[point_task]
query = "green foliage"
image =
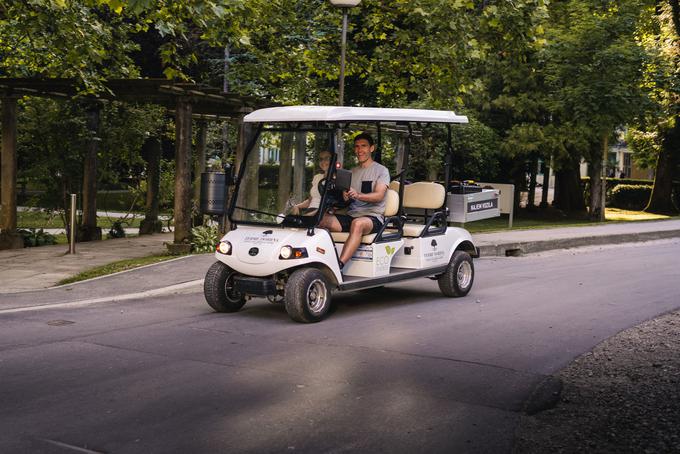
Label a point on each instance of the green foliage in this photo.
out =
(59, 38)
(204, 238)
(630, 197)
(39, 237)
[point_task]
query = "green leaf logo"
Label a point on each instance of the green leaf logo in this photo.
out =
(389, 249)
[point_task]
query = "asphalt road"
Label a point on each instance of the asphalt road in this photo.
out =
(400, 369)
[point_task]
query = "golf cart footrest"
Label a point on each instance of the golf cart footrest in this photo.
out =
(255, 285)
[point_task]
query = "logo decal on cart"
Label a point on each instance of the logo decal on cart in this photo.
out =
(389, 249)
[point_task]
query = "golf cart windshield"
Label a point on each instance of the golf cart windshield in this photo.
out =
(279, 174)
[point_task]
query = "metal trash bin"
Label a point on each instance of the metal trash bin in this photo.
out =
(213, 192)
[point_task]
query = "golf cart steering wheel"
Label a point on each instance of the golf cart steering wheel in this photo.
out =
(333, 196)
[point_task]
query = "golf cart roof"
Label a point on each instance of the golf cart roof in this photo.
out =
(330, 114)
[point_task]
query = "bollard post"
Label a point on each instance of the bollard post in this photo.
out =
(72, 239)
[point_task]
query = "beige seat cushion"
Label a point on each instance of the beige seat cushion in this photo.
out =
(341, 237)
(413, 229)
(424, 194)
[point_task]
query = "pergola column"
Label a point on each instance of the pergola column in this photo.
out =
(201, 139)
(89, 231)
(9, 238)
(183, 173)
(151, 152)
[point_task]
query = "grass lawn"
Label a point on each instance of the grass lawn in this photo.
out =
(116, 267)
(46, 220)
(524, 220)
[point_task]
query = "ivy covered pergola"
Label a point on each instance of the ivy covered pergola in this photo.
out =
(184, 101)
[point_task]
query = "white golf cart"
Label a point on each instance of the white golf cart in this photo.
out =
(287, 258)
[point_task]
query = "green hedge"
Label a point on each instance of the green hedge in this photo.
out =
(630, 196)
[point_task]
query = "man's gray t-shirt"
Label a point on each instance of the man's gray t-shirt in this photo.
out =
(364, 180)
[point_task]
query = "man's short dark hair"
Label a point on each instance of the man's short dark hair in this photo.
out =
(365, 136)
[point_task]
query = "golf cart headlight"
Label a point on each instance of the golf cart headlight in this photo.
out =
(224, 247)
(286, 252)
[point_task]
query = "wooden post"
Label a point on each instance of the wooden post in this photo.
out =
(182, 175)
(89, 231)
(9, 239)
(151, 152)
(199, 168)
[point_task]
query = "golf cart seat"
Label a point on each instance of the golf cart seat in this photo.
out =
(390, 230)
(426, 201)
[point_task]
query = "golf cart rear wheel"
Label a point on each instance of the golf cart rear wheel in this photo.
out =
(307, 296)
(218, 289)
(459, 275)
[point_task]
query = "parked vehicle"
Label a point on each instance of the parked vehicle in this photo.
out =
(288, 258)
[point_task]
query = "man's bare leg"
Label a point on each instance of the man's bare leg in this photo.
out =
(359, 227)
(331, 223)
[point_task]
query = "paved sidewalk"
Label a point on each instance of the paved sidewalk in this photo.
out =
(34, 269)
(44, 266)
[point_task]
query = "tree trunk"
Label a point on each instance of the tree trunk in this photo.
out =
(285, 171)
(151, 152)
(546, 184)
(596, 170)
(182, 205)
(661, 199)
(533, 169)
(88, 231)
(568, 191)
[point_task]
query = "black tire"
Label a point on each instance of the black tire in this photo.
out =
(459, 275)
(218, 289)
(307, 296)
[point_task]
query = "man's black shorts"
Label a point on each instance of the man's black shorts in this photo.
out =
(345, 221)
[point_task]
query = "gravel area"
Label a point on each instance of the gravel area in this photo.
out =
(623, 397)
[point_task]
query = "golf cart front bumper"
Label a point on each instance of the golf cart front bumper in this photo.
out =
(259, 286)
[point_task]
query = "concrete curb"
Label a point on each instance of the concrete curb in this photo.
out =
(184, 287)
(528, 247)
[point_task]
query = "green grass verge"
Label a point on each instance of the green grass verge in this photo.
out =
(116, 267)
(532, 221)
(47, 220)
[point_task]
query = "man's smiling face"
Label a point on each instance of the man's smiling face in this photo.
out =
(363, 150)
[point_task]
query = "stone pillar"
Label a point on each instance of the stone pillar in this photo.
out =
(182, 204)
(9, 238)
(89, 231)
(151, 152)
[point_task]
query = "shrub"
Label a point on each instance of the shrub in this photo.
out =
(33, 237)
(205, 238)
(117, 230)
(630, 197)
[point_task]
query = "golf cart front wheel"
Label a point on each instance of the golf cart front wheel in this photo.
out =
(459, 275)
(307, 296)
(218, 289)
